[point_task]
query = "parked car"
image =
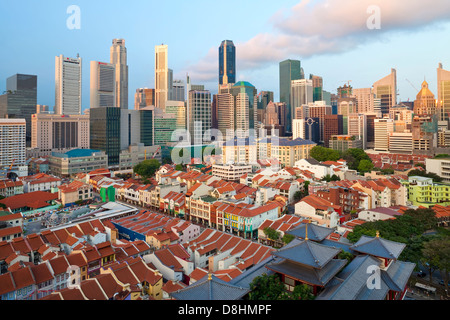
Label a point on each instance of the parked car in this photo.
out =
(442, 283)
(421, 274)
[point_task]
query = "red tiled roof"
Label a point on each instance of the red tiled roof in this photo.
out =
(41, 273)
(34, 200)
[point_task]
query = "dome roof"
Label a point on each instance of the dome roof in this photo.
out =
(243, 84)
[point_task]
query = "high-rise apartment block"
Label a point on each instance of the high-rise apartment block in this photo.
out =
(12, 142)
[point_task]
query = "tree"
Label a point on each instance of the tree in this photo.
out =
(329, 178)
(266, 287)
(272, 234)
(147, 168)
(288, 238)
(324, 154)
(442, 156)
(437, 253)
(300, 292)
(344, 255)
(354, 157)
(420, 173)
(365, 166)
(179, 167)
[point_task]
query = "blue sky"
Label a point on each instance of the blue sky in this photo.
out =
(413, 39)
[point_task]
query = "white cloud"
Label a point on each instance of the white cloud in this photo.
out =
(322, 27)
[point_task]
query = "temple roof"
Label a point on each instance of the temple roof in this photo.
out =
(351, 282)
(210, 289)
(315, 232)
(312, 276)
(308, 253)
(379, 247)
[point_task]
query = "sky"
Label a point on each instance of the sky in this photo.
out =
(344, 41)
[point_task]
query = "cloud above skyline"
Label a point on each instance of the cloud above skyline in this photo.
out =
(319, 27)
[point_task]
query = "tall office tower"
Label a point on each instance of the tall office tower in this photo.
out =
(12, 142)
(378, 108)
(317, 87)
(105, 132)
(245, 103)
(307, 129)
(289, 70)
(443, 83)
(20, 100)
(170, 85)
(364, 99)
(282, 110)
(161, 76)
(144, 98)
(357, 127)
(178, 92)
(178, 108)
(119, 59)
(52, 131)
(225, 115)
(301, 94)
(346, 106)
(383, 128)
(199, 115)
(371, 130)
(333, 124)
(103, 85)
(146, 125)
(302, 112)
(425, 103)
(130, 128)
(319, 110)
(386, 90)
(227, 62)
(271, 116)
(67, 85)
(264, 98)
(334, 103)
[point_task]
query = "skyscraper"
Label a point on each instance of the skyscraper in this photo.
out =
(289, 70)
(199, 115)
(178, 91)
(105, 133)
(302, 93)
(161, 76)
(317, 87)
(443, 78)
(386, 90)
(12, 142)
(245, 101)
(20, 100)
(264, 98)
(103, 85)
(119, 59)
(68, 85)
(227, 62)
(357, 127)
(425, 103)
(144, 98)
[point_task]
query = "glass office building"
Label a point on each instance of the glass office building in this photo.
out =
(227, 62)
(289, 70)
(20, 100)
(105, 132)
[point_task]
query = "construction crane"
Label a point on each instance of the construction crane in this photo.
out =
(154, 155)
(412, 85)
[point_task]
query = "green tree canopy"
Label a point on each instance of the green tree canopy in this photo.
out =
(420, 173)
(324, 154)
(147, 168)
(265, 288)
(437, 253)
(272, 234)
(365, 166)
(354, 157)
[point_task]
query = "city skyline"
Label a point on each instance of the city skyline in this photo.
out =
(361, 55)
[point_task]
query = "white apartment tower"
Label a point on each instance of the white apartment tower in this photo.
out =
(12, 142)
(67, 85)
(103, 85)
(119, 59)
(383, 128)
